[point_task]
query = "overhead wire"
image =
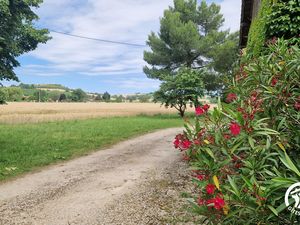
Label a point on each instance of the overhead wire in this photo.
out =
(97, 39)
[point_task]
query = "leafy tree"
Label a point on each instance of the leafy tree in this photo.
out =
(14, 94)
(106, 96)
(188, 33)
(17, 34)
(40, 96)
(62, 97)
(26, 86)
(78, 95)
(54, 95)
(225, 56)
(180, 90)
(131, 98)
(119, 98)
(144, 98)
(3, 96)
(224, 59)
(98, 98)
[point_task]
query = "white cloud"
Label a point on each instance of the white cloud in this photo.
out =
(119, 20)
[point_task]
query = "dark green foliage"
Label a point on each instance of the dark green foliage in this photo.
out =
(226, 55)
(17, 34)
(284, 20)
(62, 97)
(78, 95)
(3, 96)
(106, 96)
(187, 34)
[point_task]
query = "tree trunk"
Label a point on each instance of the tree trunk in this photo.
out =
(181, 112)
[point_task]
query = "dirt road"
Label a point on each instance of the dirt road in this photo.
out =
(79, 191)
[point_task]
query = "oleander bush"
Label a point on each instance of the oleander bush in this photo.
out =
(244, 153)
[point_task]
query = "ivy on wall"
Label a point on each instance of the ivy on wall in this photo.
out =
(258, 29)
(279, 18)
(284, 20)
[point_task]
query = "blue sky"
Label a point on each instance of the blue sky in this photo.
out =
(95, 66)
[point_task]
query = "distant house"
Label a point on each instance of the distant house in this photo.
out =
(249, 11)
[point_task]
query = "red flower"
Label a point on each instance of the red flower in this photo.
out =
(201, 177)
(274, 81)
(231, 97)
(199, 111)
(219, 203)
(206, 107)
(201, 201)
(227, 136)
(235, 128)
(176, 143)
(197, 142)
(238, 165)
(210, 189)
(297, 106)
(186, 144)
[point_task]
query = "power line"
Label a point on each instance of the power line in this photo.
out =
(97, 39)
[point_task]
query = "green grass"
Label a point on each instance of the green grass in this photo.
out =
(25, 147)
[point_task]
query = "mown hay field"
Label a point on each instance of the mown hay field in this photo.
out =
(31, 112)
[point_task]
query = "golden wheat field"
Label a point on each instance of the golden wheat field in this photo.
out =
(31, 112)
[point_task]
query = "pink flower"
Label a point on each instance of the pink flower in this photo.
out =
(210, 189)
(199, 111)
(235, 128)
(186, 144)
(231, 97)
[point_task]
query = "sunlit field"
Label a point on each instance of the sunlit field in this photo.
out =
(30, 112)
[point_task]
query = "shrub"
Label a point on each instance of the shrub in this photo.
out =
(244, 153)
(257, 32)
(3, 96)
(284, 20)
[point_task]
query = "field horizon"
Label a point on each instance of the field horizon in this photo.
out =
(35, 112)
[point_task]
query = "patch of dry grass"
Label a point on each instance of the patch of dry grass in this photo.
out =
(30, 112)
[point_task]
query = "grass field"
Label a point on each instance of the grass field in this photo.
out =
(24, 147)
(29, 112)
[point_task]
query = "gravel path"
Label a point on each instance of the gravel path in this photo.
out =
(134, 182)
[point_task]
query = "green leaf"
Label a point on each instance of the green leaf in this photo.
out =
(251, 142)
(273, 209)
(234, 187)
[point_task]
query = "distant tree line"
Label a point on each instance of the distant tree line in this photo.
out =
(59, 93)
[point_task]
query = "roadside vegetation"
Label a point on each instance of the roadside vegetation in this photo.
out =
(245, 153)
(29, 146)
